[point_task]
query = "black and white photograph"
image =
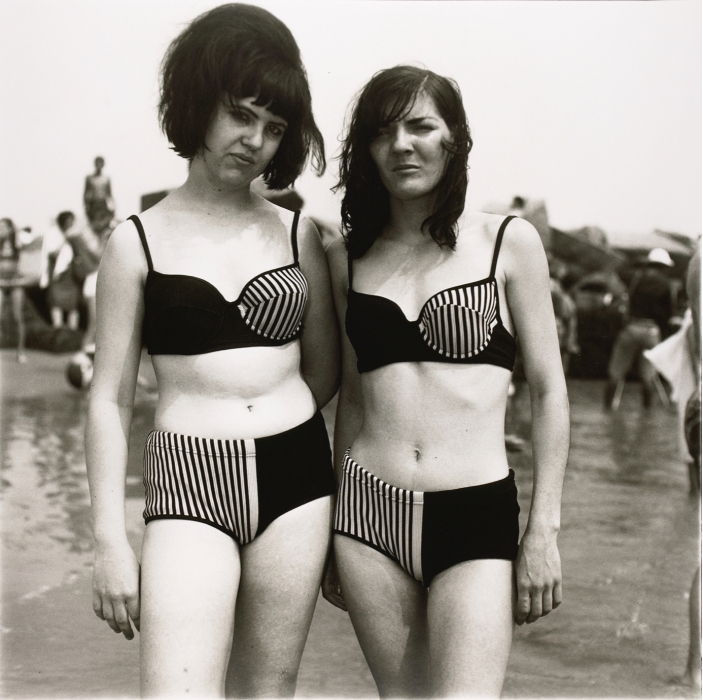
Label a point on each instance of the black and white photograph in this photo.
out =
(350, 348)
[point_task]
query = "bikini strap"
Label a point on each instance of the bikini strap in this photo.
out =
(140, 230)
(294, 235)
(499, 240)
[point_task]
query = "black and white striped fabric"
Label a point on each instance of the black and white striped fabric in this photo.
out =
(459, 322)
(211, 481)
(273, 303)
(382, 516)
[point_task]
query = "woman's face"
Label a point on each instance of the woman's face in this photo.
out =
(409, 153)
(241, 141)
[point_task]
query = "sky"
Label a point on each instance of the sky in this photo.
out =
(593, 107)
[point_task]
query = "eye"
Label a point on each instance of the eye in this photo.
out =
(276, 130)
(240, 116)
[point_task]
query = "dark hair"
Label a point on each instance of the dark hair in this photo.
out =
(237, 51)
(387, 97)
(63, 218)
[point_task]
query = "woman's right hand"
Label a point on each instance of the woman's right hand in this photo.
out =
(116, 587)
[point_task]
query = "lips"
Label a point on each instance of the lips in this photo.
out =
(243, 158)
(405, 167)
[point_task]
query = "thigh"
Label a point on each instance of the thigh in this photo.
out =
(18, 304)
(470, 621)
(388, 610)
(280, 581)
(623, 354)
(649, 338)
(189, 579)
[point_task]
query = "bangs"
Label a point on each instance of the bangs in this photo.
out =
(396, 107)
(389, 101)
(234, 52)
(279, 88)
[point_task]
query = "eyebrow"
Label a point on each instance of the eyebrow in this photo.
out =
(418, 120)
(243, 108)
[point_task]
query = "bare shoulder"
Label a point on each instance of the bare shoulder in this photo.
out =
(337, 258)
(270, 213)
(522, 252)
(337, 251)
(308, 235)
(124, 250)
(520, 232)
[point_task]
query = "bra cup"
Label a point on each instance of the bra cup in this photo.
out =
(458, 322)
(278, 318)
(269, 307)
(186, 327)
(456, 331)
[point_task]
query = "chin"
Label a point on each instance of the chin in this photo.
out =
(236, 179)
(409, 191)
(412, 193)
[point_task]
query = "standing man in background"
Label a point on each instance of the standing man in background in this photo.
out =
(97, 198)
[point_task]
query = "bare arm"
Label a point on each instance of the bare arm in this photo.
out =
(349, 408)
(350, 412)
(320, 339)
(529, 301)
(118, 345)
(693, 290)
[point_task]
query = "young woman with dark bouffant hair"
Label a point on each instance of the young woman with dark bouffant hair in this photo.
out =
(432, 296)
(230, 295)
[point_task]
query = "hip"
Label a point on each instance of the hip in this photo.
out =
(431, 531)
(238, 486)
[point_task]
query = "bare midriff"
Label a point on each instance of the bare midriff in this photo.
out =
(232, 394)
(431, 426)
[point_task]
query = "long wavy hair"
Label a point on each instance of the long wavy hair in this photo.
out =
(387, 97)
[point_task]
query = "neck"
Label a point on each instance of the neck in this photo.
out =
(201, 189)
(407, 217)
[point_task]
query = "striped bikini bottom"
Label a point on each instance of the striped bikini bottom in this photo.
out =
(431, 531)
(237, 486)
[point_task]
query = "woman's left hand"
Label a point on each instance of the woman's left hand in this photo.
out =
(538, 576)
(331, 587)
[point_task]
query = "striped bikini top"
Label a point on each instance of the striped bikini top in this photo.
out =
(186, 315)
(461, 325)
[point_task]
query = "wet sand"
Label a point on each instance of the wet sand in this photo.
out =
(629, 545)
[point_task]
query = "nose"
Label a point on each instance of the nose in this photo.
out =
(402, 142)
(254, 136)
